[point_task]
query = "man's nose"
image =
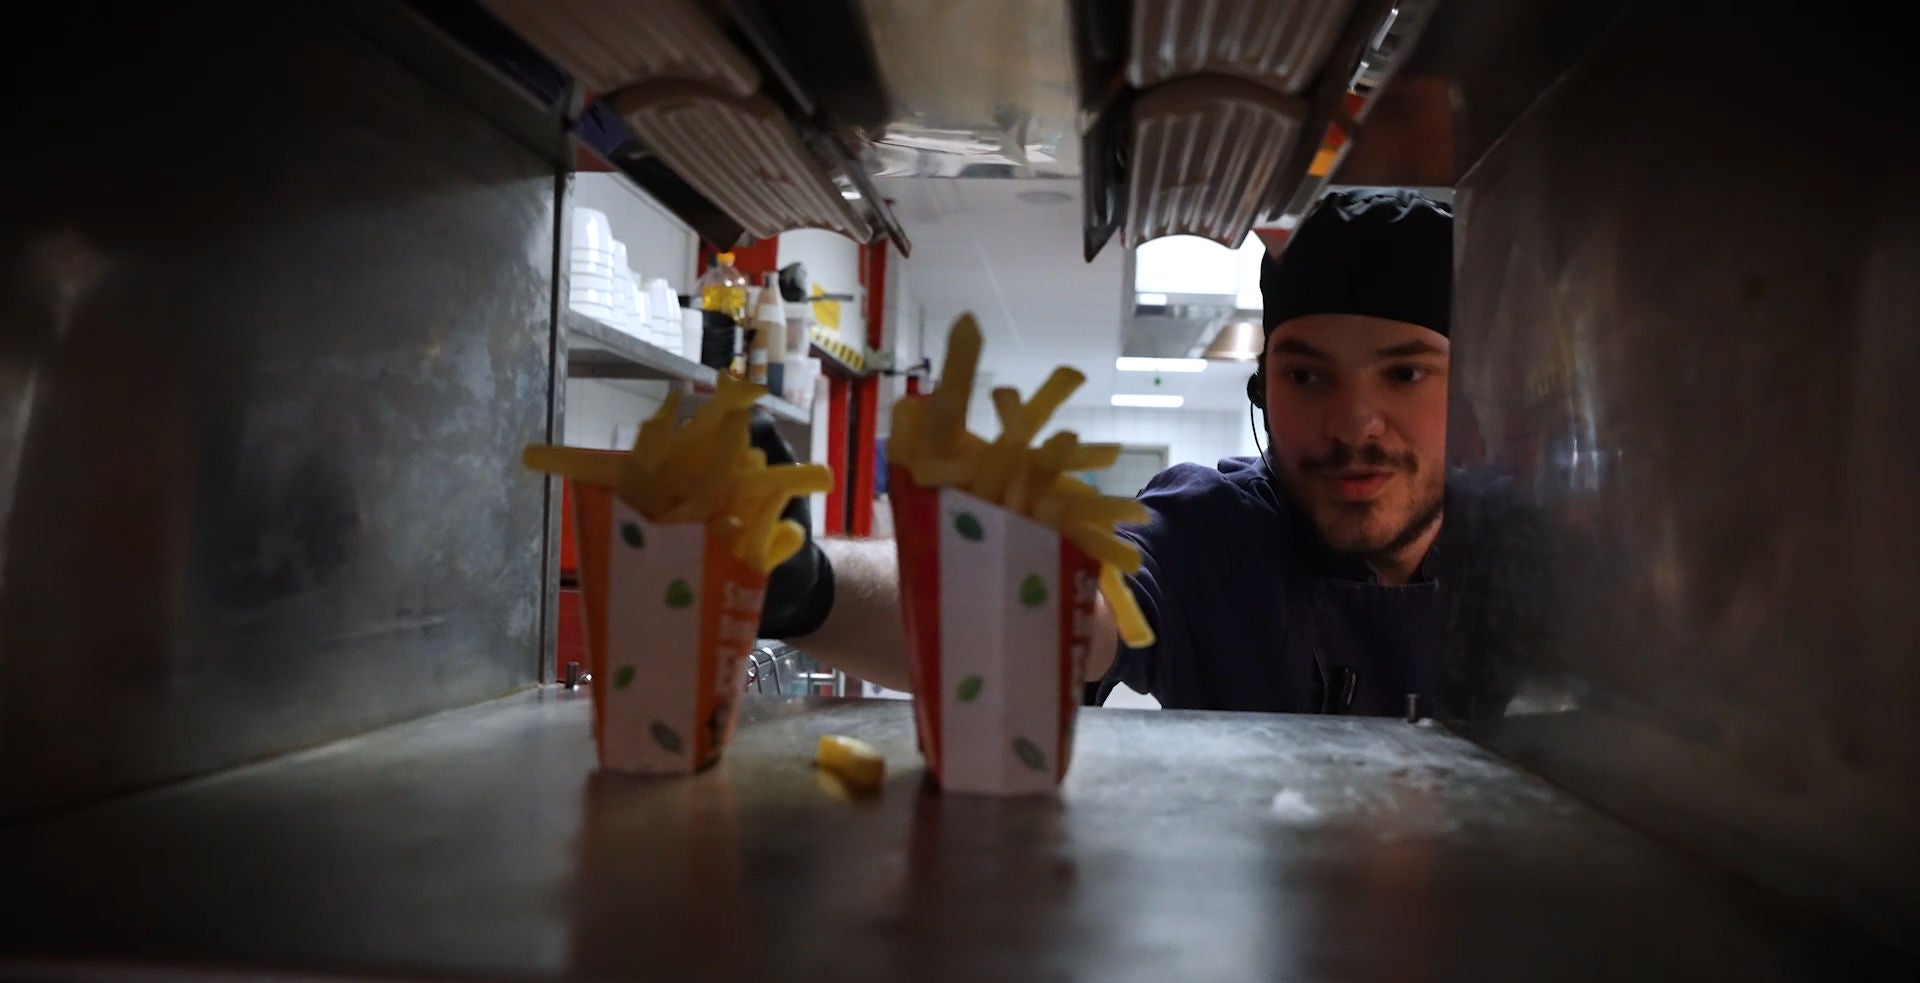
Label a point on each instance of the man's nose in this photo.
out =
(1353, 419)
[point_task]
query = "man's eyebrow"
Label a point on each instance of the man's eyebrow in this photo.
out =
(1410, 349)
(1293, 346)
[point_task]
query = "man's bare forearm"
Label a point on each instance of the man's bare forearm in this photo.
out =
(863, 635)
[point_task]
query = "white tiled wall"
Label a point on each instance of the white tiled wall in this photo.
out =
(903, 329)
(606, 413)
(657, 243)
(602, 412)
(832, 261)
(906, 318)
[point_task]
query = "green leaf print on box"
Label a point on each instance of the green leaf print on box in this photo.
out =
(968, 527)
(622, 677)
(630, 531)
(969, 689)
(1029, 754)
(679, 595)
(1033, 591)
(665, 737)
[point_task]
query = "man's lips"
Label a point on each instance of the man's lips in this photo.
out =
(1356, 484)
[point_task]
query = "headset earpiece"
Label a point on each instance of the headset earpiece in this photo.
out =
(1257, 389)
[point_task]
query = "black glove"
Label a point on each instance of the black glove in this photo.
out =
(799, 591)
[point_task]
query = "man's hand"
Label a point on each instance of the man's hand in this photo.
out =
(799, 591)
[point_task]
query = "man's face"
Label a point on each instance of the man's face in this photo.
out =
(1357, 407)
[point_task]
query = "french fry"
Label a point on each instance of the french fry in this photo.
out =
(594, 469)
(1006, 404)
(1105, 547)
(695, 439)
(854, 761)
(995, 470)
(1018, 495)
(1048, 461)
(1050, 510)
(793, 479)
(703, 470)
(1048, 398)
(1106, 510)
(1054, 503)
(1051, 458)
(933, 474)
(788, 536)
(760, 520)
(717, 467)
(946, 417)
(1092, 457)
(1126, 610)
(650, 445)
(930, 440)
(903, 444)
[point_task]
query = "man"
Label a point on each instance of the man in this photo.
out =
(1296, 581)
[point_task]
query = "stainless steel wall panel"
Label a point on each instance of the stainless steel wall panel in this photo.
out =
(1686, 333)
(277, 320)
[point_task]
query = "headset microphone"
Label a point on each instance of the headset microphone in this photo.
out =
(1257, 396)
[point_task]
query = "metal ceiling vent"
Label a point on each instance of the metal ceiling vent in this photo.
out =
(742, 154)
(1205, 151)
(1277, 43)
(712, 93)
(611, 45)
(1204, 117)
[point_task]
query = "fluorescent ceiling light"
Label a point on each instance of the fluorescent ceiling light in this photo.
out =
(1129, 363)
(1150, 402)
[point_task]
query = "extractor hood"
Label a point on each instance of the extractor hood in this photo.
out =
(746, 119)
(1257, 101)
(749, 117)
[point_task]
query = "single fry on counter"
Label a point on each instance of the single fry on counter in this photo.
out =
(856, 763)
(1002, 554)
(676, 539)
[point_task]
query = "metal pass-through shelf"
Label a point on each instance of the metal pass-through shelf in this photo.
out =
(596, 350)
(481, 844)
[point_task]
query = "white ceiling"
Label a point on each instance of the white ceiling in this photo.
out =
(1017, 266)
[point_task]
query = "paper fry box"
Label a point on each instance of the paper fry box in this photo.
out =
(671, 617)
(999, 614)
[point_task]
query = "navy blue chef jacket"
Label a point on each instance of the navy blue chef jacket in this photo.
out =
(1250, 612)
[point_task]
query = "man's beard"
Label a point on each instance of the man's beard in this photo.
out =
(1343, 537)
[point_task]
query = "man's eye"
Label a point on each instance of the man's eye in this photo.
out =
(1406, 374)
(1301, 377)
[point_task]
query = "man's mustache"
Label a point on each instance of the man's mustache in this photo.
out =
(1344, 456)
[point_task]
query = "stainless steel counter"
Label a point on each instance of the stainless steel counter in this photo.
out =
(479, 844)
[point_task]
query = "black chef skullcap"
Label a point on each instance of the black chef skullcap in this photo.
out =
(1380, 252)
